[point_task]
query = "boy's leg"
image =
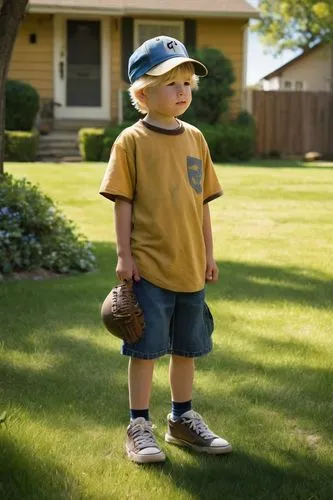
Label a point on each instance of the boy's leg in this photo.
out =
(141, 445)
(188, 428)
(181, 375)
(140, 377)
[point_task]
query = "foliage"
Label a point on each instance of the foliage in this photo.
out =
(21, 146)
(211, 100)
(35, 234)
(229, 142)
(22, 104)
(91, 143)
(130, 113)
(294, 25)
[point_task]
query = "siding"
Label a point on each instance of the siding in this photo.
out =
(228, 37)
(33, 63)
(115, 67)
(314, 70)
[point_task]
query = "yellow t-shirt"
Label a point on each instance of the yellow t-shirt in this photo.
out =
(167, 175)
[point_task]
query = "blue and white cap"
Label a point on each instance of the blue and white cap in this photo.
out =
(157, 56)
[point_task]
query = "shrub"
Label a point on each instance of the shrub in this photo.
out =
(35, 234)
(229, 142)
(111, 134)
(245, 119)
(129, 112)
(96, 144)
(91, 143)
(22, 104)
(211, 100)
(21, 146)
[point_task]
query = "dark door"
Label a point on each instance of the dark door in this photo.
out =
(83, 63)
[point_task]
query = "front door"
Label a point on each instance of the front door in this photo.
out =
(81, 68)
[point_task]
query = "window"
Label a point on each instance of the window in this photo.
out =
(287, 85)
(299, 86)
(143, 30)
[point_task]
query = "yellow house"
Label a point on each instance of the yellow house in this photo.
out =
(75, 52)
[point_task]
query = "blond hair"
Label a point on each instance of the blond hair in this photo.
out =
(185, 70)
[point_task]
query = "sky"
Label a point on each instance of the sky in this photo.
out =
(259, 63)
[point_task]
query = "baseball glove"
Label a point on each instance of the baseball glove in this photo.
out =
(121, 313)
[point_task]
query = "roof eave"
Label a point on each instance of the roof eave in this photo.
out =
(135, 12)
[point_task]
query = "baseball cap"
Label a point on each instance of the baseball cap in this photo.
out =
(159, 55)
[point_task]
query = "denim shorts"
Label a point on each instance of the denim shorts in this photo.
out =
(175, 323)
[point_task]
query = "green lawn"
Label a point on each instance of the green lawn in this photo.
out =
(267, 387)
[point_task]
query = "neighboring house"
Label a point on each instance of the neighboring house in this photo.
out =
(312, 71)
(75, 52)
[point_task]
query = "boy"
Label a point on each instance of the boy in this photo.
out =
(161, 178)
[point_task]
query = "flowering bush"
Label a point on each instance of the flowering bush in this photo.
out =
(35, 234)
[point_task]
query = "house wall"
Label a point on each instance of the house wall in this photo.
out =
(33, 63)
(314, 70)
(228, 36)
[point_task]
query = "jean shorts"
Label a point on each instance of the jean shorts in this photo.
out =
(175, 323)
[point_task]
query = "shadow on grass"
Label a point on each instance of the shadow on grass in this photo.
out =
(77, 374)
(281, 164)
(23, 475)
(242, 281)
(244, 477)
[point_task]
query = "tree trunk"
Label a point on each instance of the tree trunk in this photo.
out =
(11, 14)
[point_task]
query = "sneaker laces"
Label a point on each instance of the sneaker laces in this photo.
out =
(142, 435)
(196, 423)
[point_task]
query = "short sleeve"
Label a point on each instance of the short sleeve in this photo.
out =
(211, 186)
(119, 177)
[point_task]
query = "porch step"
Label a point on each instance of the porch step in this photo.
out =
(75, 125)
(58, 145)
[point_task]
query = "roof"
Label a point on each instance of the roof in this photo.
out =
(279, 71)
(192, 8)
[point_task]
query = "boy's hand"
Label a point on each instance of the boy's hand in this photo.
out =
(126, 269)
(212, 271)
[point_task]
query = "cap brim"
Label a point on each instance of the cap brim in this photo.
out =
(169, 64)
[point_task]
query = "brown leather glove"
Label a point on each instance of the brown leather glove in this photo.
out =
(121, 313)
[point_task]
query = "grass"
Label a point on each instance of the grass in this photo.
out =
(267, 386)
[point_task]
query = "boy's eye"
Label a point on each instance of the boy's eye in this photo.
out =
(171, 83)
(187, 83)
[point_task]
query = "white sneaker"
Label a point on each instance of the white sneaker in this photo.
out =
(191, 430)
(141, 446)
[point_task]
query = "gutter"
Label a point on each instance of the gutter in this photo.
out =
(144, 12)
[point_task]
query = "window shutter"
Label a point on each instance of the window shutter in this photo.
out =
(126, 45)
(190, 30)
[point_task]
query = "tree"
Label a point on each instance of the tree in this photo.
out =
(11, 14)
(294, 24)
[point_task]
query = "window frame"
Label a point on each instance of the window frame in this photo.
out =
(139, 22)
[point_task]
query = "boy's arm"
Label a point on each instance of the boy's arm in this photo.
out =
(212, 271)
(126, 268)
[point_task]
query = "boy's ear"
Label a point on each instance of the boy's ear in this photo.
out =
(141, 95)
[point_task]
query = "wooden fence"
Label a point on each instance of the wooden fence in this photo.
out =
(293, 123)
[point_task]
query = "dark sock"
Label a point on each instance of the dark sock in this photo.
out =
(179, 408)
(139, 413)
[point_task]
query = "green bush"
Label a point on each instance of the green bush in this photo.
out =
(130, 113)
(229, 142)
(35, 234)
(21, 146)
(211, 100)
(22, 104)
(245, 119)
(91, 143)
(111, 134)
(96, 144)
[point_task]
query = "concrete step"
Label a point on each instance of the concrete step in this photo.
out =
(58, 145)
(75, 125)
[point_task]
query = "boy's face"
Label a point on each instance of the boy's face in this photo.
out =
(170, 99)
